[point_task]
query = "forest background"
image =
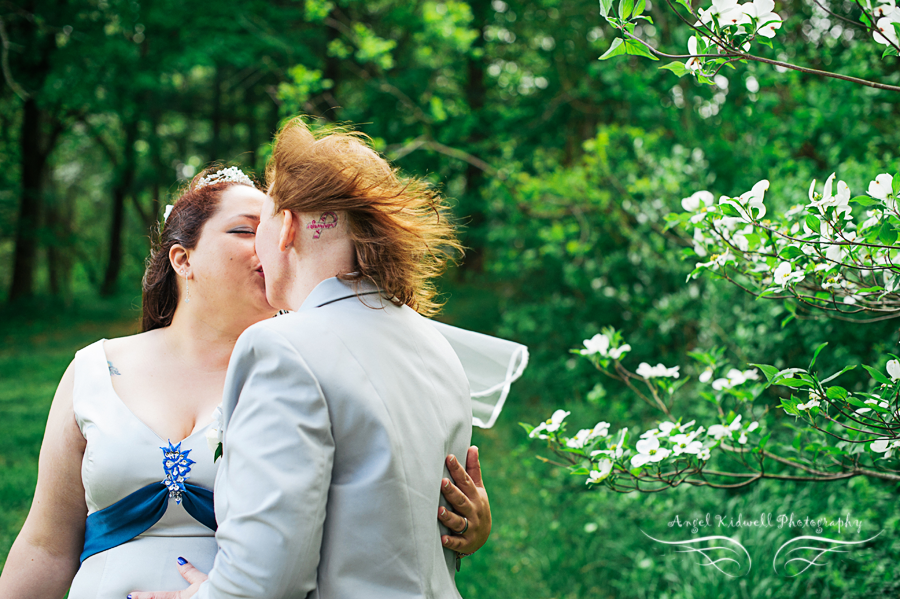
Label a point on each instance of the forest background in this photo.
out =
(561, 169)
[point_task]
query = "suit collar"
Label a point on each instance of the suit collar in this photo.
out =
(334, 289)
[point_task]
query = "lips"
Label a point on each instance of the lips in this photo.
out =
(260, 271)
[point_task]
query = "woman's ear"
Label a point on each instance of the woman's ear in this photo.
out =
(288, 233)
(180, 260)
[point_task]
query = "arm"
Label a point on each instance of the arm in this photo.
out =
(470, 501)
(45, 556)
(275, 474)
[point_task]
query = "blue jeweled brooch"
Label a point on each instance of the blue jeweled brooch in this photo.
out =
(177, 466)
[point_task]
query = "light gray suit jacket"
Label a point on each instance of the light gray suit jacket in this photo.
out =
(338, 419)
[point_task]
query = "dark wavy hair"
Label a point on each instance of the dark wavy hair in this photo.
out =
(192, 209)
(399, 225)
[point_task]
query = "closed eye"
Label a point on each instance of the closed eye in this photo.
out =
(243, 231)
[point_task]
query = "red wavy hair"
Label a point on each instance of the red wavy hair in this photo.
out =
(399, 225)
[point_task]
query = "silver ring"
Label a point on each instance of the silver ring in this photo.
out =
(465, 528)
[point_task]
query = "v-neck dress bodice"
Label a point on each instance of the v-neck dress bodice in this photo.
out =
(123, 455)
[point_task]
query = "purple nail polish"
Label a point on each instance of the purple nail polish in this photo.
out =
(181, 561)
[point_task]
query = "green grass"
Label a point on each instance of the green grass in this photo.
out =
(552, 537)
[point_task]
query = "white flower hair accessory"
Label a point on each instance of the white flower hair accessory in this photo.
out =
(168, 212)
(231, 174)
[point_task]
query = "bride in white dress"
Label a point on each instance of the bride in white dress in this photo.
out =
(125, 448)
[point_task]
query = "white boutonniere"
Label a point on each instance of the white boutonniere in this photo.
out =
(214, 434)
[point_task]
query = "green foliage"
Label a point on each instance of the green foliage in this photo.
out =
(562, 168)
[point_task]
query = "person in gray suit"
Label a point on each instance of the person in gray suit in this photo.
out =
(338, 416)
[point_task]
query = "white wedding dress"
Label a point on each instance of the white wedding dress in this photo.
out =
(124, 455)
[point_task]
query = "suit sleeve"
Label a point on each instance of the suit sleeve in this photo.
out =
(275, 473)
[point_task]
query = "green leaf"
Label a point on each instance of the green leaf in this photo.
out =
(625, 9)
(887, 234)
(638, 7)
(877, 375)
(729, 210)
(816, 355)
(218, 453)
(793, 383)
(616, 49)
(605, 7)
(791, 252)
(837, 374)
(638, 49)
(813, 222)
(895, 187)
(684, 3)
(836, 393)
(865, 201)
(769, 371)
(677, 68)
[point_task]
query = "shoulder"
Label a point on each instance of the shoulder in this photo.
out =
(142, 344)
(297, 329)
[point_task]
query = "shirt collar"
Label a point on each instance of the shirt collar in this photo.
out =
(334, 289)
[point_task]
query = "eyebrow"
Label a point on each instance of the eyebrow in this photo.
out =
(250, 216)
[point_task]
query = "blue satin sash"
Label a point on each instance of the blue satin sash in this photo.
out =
(136, 513)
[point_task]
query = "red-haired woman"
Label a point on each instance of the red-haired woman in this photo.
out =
(126, 470)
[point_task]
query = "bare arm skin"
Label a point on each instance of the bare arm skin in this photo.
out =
(45, 556)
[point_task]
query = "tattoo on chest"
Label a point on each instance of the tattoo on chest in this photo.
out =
(328, 220)
(113, 371)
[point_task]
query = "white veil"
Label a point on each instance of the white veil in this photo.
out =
(491, 365)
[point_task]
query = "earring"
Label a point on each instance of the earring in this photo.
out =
(187, 288)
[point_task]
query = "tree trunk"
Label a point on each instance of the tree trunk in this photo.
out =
(123, 185)
(33, 163)
(475, 97)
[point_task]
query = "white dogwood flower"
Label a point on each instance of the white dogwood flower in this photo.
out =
(586, 435)
(685, 443)
(693, 64)
(893, 370)
(881, 187)
(886, 33)
(648, 450)
(604, 467)
(885, 446)
(734, 378)
(840, 200)
(812, 403)
(699, 202)
(658, 371)
(551, 426)
(784, 275)
(766, 20)
(729, 12)
(600, 344)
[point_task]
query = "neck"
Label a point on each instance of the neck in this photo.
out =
(305, 280)
(199, 341)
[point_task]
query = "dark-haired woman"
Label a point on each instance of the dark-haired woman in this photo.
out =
(126, 438)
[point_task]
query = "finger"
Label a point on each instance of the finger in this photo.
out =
(189, 572)
(460, 477)
(457, 498)
(473, 466)
(451, 520)
(454, 543)
(152, 595)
